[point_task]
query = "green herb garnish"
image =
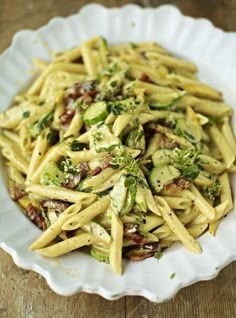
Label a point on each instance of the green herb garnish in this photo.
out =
(111, 70)
(26, 114)
(43, 122)
(213, 191)
(67, 166)
(186, 161)
(123, 106)
(97, 137)
(158, 254)
(75, 145)
(53, 137)
(172, 276)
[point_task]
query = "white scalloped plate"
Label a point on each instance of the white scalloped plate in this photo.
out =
(198, 40)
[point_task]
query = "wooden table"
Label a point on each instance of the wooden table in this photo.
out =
(24, 294)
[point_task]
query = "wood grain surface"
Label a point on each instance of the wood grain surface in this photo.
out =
(24, 294)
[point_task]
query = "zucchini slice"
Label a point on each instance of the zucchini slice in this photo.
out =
(136, 139)
(140, 198)
(52, 175)
(98, 231)
(95, 113)
(162, 157)
(160, 176)
(103, 140)
(100, 255)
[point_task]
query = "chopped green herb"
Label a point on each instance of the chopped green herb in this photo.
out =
(97, 136)
(43, 122)
(26, 114)
(75, 145)
(130, 182)
(67, 166)
(123, 106)
(131, 165)
(158, 254)
(136, 139)
(42, 102)
(111, 70)
(122, 157)
(186, 161)
(172, 276)
(213, 191)
(53, 137)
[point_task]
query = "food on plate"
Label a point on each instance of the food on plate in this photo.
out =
(119, 148)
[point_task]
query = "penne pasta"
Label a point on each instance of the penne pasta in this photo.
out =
(115, 256)
(55, 229)
(177, 227)
(68, 245)
(120, 148)
(87, 214)
(61, 194)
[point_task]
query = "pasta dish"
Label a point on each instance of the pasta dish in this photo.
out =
(121, 150)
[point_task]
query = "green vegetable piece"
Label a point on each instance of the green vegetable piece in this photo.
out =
(162, 157)
(52, 175)
(169, 105)
(160, 176)
(172, 276)
(122, 106)
(140, 198)
(75, 145)
(136, 139)
(113, 86)
(95, 113)
(186, 161)
(187, 130)
(100, 255)
(213, 191)
(191, 172)
(26, 114)
(158, 254)
(98, 230)
(53, 137)
(43, 122)
(104, 140)
(118, 194)
(131, 184)
(67, 166)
